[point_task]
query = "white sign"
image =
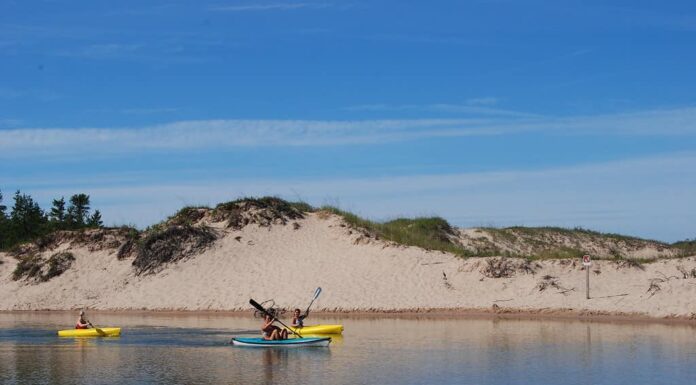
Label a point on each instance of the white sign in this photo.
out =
(586, 261)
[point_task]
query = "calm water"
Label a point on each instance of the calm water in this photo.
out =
(167, 349)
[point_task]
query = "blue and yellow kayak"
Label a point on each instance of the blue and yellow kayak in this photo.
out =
(95, 332)
(289, 343)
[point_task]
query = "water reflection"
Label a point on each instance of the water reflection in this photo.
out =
(195, 349)
(272, 363)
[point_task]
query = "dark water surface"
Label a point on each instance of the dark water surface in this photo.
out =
(193, 349)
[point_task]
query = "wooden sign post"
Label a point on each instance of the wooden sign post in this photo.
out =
(587, 262)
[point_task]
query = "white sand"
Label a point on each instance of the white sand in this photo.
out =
(355, 274)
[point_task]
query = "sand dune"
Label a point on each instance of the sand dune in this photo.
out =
(287, 262)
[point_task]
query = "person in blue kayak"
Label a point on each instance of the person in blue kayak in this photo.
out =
(298, 319)
(83, 322)
(272, 332)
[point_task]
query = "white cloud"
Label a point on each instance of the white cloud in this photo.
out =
(216, 134)
(225, 133)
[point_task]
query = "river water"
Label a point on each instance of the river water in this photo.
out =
(175, 348)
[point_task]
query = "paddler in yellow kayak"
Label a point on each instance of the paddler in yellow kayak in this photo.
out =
(82, 322)
(298, 319)
(272, 332)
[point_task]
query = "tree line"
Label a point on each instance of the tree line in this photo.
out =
(27, 221)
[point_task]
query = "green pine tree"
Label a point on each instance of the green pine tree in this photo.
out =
(27, 220)
(78, 211)
(95, 220)
(4, 229)
(58, 212)
(3, 208)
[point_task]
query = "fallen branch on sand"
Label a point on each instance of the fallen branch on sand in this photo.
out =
(551, 281)
(655, 283)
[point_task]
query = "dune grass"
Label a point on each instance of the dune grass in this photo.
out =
(688, 247)
(430, 233)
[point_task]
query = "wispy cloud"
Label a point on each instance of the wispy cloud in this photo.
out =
(482, 101)
(225, 133)
(9, 122)
(267, 7)
(42, 95)
(419, 39)
(102, 51)
(212, 134)
(484, 106)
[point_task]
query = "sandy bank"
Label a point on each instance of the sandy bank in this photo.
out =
(287, 262)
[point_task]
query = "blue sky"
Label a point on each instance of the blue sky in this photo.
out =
(567, 113)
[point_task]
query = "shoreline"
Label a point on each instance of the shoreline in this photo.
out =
(565, 315)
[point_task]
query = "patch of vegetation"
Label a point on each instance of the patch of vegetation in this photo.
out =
(170, 245)
(264, 212)
(130, 245)
(687, 247)
(35, 268)
(188, 215)
(498, 268)
(58, 264)
(577, 231)
(501, 234)
(28, 266)
(430, 233)
(558, 253)
(302, 207)
(636, 263)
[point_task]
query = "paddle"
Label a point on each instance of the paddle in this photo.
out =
(101, 332)
(264, 311)
(316, 295)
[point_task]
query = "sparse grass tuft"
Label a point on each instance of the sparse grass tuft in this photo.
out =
(170, 245)
(28, 266)
(57, 265)
(636, 263)
(302, 207)
(34, 267)
(188, 215)
(498, 268)
(558, 253)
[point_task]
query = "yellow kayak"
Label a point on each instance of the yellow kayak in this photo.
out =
(319, 329)
(96, 332)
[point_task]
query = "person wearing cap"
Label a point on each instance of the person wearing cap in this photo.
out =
(83, 322)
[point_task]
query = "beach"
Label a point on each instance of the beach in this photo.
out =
(286, 263)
